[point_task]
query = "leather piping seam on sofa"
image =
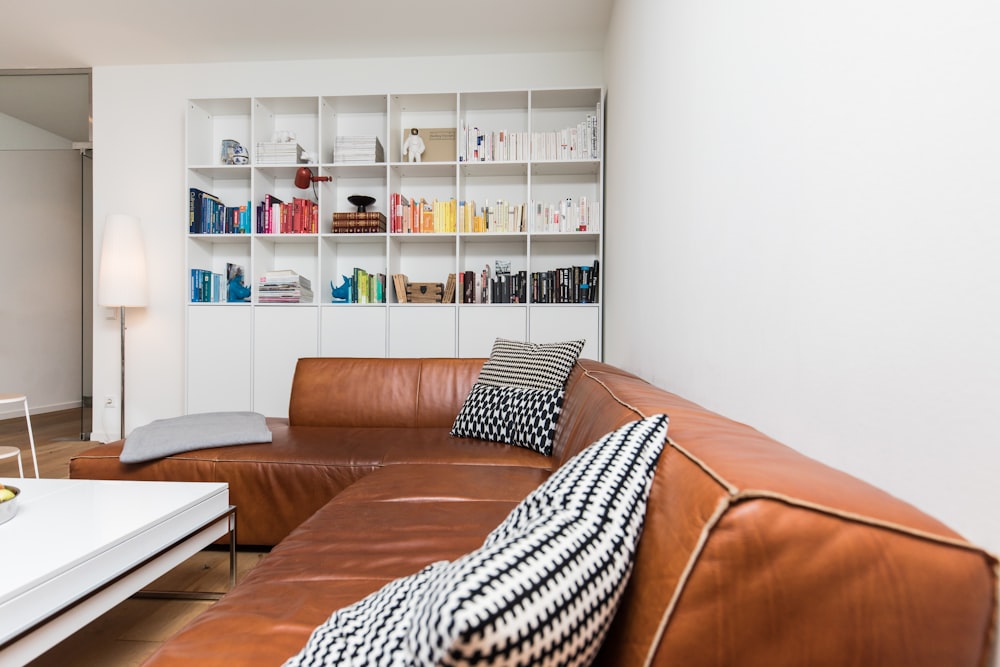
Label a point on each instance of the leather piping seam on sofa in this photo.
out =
(218, 460)
(730, 489)
(744, 496)
(740, 495)
(668, 612)
(753, 494)
(736, 496)
(612, 394)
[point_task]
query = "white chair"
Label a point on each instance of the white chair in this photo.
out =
(10, 452)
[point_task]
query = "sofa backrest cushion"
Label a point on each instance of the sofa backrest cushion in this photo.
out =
(338, 391)
(752, 552)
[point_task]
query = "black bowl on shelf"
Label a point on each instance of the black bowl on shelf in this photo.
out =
(361, 201)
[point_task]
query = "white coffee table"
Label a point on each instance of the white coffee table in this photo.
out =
(77, 548)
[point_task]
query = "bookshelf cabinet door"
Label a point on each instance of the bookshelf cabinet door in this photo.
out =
(421, 331)
(282, 335)
(479, 326)
(550, 324)
(218, 358)
(352, 331)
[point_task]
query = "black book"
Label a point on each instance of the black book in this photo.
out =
(594, 281)
(469, 287)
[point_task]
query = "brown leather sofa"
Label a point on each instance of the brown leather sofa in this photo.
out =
(752, 554)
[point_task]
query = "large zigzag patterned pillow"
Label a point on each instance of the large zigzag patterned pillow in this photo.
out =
(518, 395)
(543, 588)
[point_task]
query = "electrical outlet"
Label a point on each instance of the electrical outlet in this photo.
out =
(110, 402)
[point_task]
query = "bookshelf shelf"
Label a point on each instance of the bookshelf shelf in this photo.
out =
(534, 201)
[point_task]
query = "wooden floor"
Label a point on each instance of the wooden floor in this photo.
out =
(130, 632)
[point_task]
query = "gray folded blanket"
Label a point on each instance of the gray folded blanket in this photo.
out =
(164, 437)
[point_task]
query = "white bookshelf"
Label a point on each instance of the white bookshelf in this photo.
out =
(240, 356)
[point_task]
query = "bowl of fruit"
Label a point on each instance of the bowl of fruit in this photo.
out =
(8, 502)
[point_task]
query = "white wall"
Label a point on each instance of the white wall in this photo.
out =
(809, 194)
(138, 169)
(40, 312)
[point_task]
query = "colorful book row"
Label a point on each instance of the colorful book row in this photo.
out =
(300, 216)
(208, 215)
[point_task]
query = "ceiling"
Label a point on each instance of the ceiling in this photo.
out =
(62, 35)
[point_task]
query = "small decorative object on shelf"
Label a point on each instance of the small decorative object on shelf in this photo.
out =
(341, 294)
(414, 145)
(238, 291)
(361, 201)
(407, 292)
(424, 292)
(233, 152)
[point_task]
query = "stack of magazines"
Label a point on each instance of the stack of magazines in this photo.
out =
(358, 150)
(284, 286)
(274, 152)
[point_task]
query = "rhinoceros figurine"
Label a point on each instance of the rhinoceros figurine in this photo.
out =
(342, 293)
(237, 290)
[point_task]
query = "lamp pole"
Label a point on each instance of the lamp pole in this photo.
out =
(121, 398)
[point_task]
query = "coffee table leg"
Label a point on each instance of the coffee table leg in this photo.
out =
(230, 514)
(232, 546)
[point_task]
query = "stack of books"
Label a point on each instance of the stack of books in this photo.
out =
(358, 150)
(284, 286)
(357, 222)
(278, 152)
(582, 142)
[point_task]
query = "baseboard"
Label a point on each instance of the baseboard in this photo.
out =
(14, 410)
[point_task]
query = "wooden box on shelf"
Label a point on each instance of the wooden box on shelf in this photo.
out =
(424, 292)
(407, 292)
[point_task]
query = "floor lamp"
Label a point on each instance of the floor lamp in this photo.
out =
(122, 278)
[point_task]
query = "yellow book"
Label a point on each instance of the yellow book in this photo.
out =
(450, 215)
(468, 215)
(426, 216)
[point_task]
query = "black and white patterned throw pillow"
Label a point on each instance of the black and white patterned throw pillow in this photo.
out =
(513, 415)
(373, 631)
(545, 586)
(536, 365)
(518, 395)
(542, 590)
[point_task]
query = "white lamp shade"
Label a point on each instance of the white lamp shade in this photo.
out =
(122, 278)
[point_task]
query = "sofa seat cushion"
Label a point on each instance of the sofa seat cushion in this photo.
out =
(260, 625)
(342, 553)
(543, 587)
(440, 482)
(306, 465)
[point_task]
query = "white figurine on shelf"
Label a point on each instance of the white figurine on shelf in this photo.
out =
(414, 145)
